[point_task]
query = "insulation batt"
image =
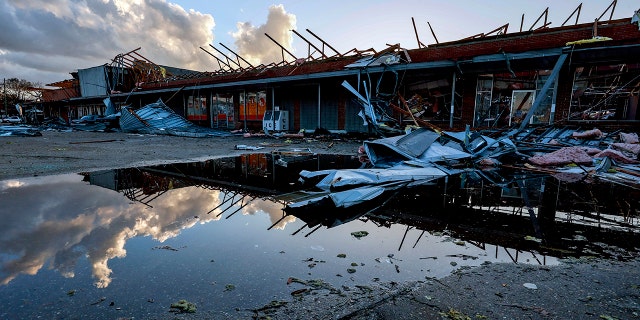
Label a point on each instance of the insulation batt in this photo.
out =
(563, 156)
(629, 137)
(633, 148)
(589, 134)
(616, 156)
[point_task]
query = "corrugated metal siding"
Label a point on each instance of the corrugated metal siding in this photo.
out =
(93, 82)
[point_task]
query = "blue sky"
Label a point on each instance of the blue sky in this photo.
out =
(374, 23)
(44, 40)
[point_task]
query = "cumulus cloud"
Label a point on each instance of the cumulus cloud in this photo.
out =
(257, 48)
(65, 224)
(271, 208)
(68, 222)
(50, 38)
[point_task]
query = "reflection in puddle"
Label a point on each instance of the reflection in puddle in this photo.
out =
(216, 233)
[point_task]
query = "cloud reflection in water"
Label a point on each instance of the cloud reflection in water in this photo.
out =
(57, 220)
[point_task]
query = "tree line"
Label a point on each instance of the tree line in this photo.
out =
(16, 91)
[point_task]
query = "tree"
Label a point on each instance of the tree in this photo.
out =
(18, 91)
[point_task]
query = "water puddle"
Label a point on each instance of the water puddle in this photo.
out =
(130, 242)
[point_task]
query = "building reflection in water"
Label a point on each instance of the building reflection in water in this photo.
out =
(510, 213)
(513, 210)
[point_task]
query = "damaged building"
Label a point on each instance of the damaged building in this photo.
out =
(584, 74)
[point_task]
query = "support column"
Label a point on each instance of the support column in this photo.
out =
(453, 99)
(549, 204)
(319, 115)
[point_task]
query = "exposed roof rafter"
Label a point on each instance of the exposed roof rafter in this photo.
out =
(578, 9)
(283, 49)
(309, 46)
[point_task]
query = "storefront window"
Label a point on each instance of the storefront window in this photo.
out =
(484, 113)
(521, 102)
(222, 111)
(253, 105)
(605, 92)
(503, 100)
(196, 108)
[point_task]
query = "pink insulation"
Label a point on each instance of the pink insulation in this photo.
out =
(615, 155)
(629, 137)
(562, 157)
(632, 148)
(589, 134)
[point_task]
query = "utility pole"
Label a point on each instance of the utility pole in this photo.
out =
(4, 94)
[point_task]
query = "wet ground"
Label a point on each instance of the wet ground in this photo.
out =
(129, 243)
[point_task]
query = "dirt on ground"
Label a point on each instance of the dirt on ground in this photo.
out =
(586, 288)
(575, 289)
(66, 152)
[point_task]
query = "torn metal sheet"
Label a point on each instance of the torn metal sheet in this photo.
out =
(423, 156)
(246, 147)
(366, 103)
(389, 151)
(423, 147)
(157, 118)
(111, 108)
(21, 131)
(350, 178)
(371, 61)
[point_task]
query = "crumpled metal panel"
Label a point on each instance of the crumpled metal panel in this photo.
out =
(388, 152)
(159, 119)
(343, 179)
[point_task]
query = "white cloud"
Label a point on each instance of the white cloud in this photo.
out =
(257, 48)
(61, 36)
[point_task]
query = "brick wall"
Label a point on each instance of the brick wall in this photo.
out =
(621, 31)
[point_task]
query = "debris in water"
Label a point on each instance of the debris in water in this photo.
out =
(578, 237)
(229, 287)
(454, 314)
(530, 286)
(166, 248)
(274, 304)
(534, 239)
(342, 255)
(351, 270)
(359, 234)
(183, 306)
(246, 147)
(299, 291)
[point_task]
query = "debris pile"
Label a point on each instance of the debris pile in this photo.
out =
(424, 155)
(157, 118)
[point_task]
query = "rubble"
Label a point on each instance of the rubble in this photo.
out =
(23, 131)
(425, 155)
(157, 118)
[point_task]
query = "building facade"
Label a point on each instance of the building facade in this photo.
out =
(583, 74)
